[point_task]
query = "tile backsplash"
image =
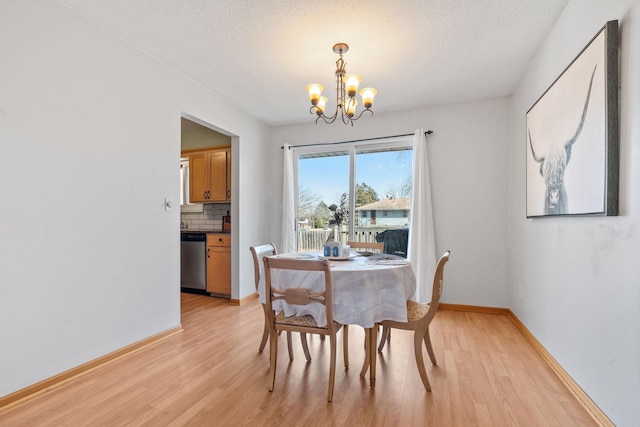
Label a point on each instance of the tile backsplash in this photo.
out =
(209, 220)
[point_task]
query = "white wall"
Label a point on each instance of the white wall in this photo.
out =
(89, 149)
(581, 276)
(468, 163)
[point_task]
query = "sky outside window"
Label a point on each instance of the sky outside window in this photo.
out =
(328, 177)
(384, 171)
(324, 177)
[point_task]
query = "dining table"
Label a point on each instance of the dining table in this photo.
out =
(366, 289)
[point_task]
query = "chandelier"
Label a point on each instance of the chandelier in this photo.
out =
(346, 89)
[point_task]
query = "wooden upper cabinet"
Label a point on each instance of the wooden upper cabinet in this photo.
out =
(218, 175)
(198, 178)
(210, 176)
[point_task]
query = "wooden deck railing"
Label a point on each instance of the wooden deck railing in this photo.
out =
(312, 240)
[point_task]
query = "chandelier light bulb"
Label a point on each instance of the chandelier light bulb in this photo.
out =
(351, 107)
(367, 94)
(315, 91)
(351, 83)
(321, 104)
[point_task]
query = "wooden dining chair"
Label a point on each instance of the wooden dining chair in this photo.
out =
(258, 252)
(420, 316)
(374, 247)
(297, 294)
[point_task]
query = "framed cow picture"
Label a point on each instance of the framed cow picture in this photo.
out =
(572, 136)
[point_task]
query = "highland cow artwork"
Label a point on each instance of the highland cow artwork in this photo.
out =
(572, 136)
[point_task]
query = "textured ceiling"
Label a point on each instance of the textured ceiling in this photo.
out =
(260, 54)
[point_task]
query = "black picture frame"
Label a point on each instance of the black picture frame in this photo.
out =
(573, 138)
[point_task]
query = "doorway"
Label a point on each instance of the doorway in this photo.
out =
(197, 137)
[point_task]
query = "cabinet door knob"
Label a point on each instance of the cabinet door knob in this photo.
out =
(208, 253)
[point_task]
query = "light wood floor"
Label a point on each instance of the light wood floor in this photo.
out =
(211, 374)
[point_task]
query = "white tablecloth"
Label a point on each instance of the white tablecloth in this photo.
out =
(366, 290)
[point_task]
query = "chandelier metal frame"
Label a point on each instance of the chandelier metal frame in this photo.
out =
(346, 89)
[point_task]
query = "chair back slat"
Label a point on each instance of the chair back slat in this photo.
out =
(374, 246)
(297, 296)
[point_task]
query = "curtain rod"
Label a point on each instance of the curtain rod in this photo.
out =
(427, 132)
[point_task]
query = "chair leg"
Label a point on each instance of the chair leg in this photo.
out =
(417, 347)
(386, 336)
(367, 362)
(289, 345)
(332, 367)
(345, 345)
(273, 347)
(305, 347)
(265, 336)
(427, 343)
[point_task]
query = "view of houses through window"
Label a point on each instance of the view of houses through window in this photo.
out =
(367, 185)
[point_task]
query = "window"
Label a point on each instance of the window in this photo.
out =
(376, 173)
(185, 206)
(184, 181)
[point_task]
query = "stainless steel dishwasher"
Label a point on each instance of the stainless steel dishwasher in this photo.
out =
(193, 261)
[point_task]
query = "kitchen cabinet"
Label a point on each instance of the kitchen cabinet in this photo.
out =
(219, 264)
(210, 176)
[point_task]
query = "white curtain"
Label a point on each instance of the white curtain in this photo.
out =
(422, 245)
(288, 240)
